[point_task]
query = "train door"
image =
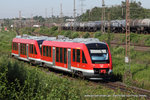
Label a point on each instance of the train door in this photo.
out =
(19, 49)
(53, 56)
(76, 58)
(27, 52)
(69, 59)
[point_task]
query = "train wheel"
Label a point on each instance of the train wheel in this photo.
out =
(44, 65)
(80, 74)
(145, 32)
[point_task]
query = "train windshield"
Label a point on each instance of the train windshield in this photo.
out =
(98, 53)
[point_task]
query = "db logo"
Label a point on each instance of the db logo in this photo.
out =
(101, 66)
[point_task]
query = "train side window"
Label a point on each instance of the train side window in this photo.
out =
(31, 48)
(61, 55)
(35, 52)
(65, 55)
(20, 48)
(74, 55)
(23, 49)
(57, 54)
(49, 51)
(83, 58)
(15, 46)
(43, 50)
(78, 56)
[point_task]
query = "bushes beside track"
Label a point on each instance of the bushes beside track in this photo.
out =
(22, 82)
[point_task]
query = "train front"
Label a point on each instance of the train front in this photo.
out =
(101, 60)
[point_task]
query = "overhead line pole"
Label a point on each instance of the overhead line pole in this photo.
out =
(127, 31)
(74, 14)
(103, 17)
(128, 74)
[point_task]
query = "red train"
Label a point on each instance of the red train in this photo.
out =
(85, 57)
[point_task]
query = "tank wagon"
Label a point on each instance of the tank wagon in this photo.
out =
(115, 26)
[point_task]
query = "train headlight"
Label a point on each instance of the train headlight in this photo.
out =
(108, 65)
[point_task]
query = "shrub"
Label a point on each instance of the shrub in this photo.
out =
(97, 34)
(67, 34)
(147, 41)
(75, 35)
(54, 28)
(23, 82)
(86, 35)
(134, 38)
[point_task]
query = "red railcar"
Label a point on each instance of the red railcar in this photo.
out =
(86, 57)
(27, 48)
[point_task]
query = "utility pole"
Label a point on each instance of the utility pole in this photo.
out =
(31, 20)
(108, 41)
(20, 19)
(103, 17)
(127, 31)
(128, 74)
(82, 6)
(52, 15)
(45, 12)
(74, 14)
(61, 16)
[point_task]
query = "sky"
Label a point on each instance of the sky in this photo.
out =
(28, 8)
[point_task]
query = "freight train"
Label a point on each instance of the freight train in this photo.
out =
(115, 26)
(88, 58)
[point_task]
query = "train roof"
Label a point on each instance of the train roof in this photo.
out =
(60, 38)
(37, 38)
(78, 40)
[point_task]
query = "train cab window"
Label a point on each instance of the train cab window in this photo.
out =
(57, 54)
(78, 56)
(61, 53)
(83, 58)
(44, 50)
(74, 53)
(65, 55)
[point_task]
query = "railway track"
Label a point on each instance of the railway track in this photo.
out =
(116, 85)
(136, 47)
(133, 91)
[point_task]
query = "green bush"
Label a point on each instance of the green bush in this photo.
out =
(54, 28)
(134, 38)
(68, 34)
(97, 34)
(22, 82)
(147, 41)
(86, 35)
(75, 35)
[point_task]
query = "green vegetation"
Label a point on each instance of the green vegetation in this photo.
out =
(136, 12)
(19, 80)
